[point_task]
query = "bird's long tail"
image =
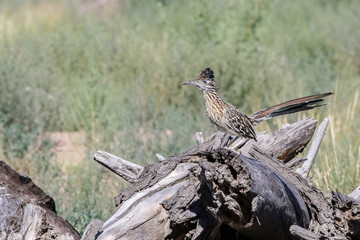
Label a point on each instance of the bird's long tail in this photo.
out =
(292, 106)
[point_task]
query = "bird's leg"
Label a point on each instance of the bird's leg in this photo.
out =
(232, 140)
(239, 144)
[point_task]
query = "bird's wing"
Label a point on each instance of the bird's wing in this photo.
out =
(239, 123)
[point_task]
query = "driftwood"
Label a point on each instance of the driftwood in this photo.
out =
(26, 212)
(125, 169)
(212, 192)
(355, 194)
(207, 192)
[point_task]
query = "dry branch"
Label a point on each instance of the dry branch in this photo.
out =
(355, 194)
(125, 169)
(305, 169)
(159, 157)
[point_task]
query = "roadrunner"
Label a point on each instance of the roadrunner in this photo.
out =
(228, 118)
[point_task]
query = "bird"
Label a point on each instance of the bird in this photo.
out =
(227, 118)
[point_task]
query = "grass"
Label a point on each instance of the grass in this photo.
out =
(116, 74)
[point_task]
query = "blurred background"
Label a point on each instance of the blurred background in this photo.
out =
(78, 76)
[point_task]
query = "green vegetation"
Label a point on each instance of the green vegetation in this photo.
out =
(116, 75)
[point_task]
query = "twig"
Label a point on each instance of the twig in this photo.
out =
(305, 169)
(199, 138)
(125, 169)
(160, 158)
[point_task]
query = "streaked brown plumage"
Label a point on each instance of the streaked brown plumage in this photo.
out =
(229, 119)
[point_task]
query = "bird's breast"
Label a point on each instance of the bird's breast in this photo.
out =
(215, 109)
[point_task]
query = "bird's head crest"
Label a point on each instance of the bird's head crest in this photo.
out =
(207, 73)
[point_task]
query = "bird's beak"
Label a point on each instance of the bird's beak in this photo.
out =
(189, 82)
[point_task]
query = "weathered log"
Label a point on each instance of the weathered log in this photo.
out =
(283, 144)
(205, 193)
(144, 207)
(187, 197)
(211, 192)
(26, 212)
(346, 214)
(326, 220)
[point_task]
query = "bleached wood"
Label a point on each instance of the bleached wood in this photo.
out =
(139, 205)
(125, 169)
(285, 143)
(92, 229)
(147, 213)
(305, 169)
(226, 195)
(355, 194)
(33, 219)
(159, 157)
(199, 138)
(303, 233)
(145, 206)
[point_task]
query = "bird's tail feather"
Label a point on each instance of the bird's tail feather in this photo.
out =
(292, 106)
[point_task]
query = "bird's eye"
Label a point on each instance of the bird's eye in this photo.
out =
(206, 81)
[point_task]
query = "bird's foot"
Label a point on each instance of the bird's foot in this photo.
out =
(238, 143)
(232, 140)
